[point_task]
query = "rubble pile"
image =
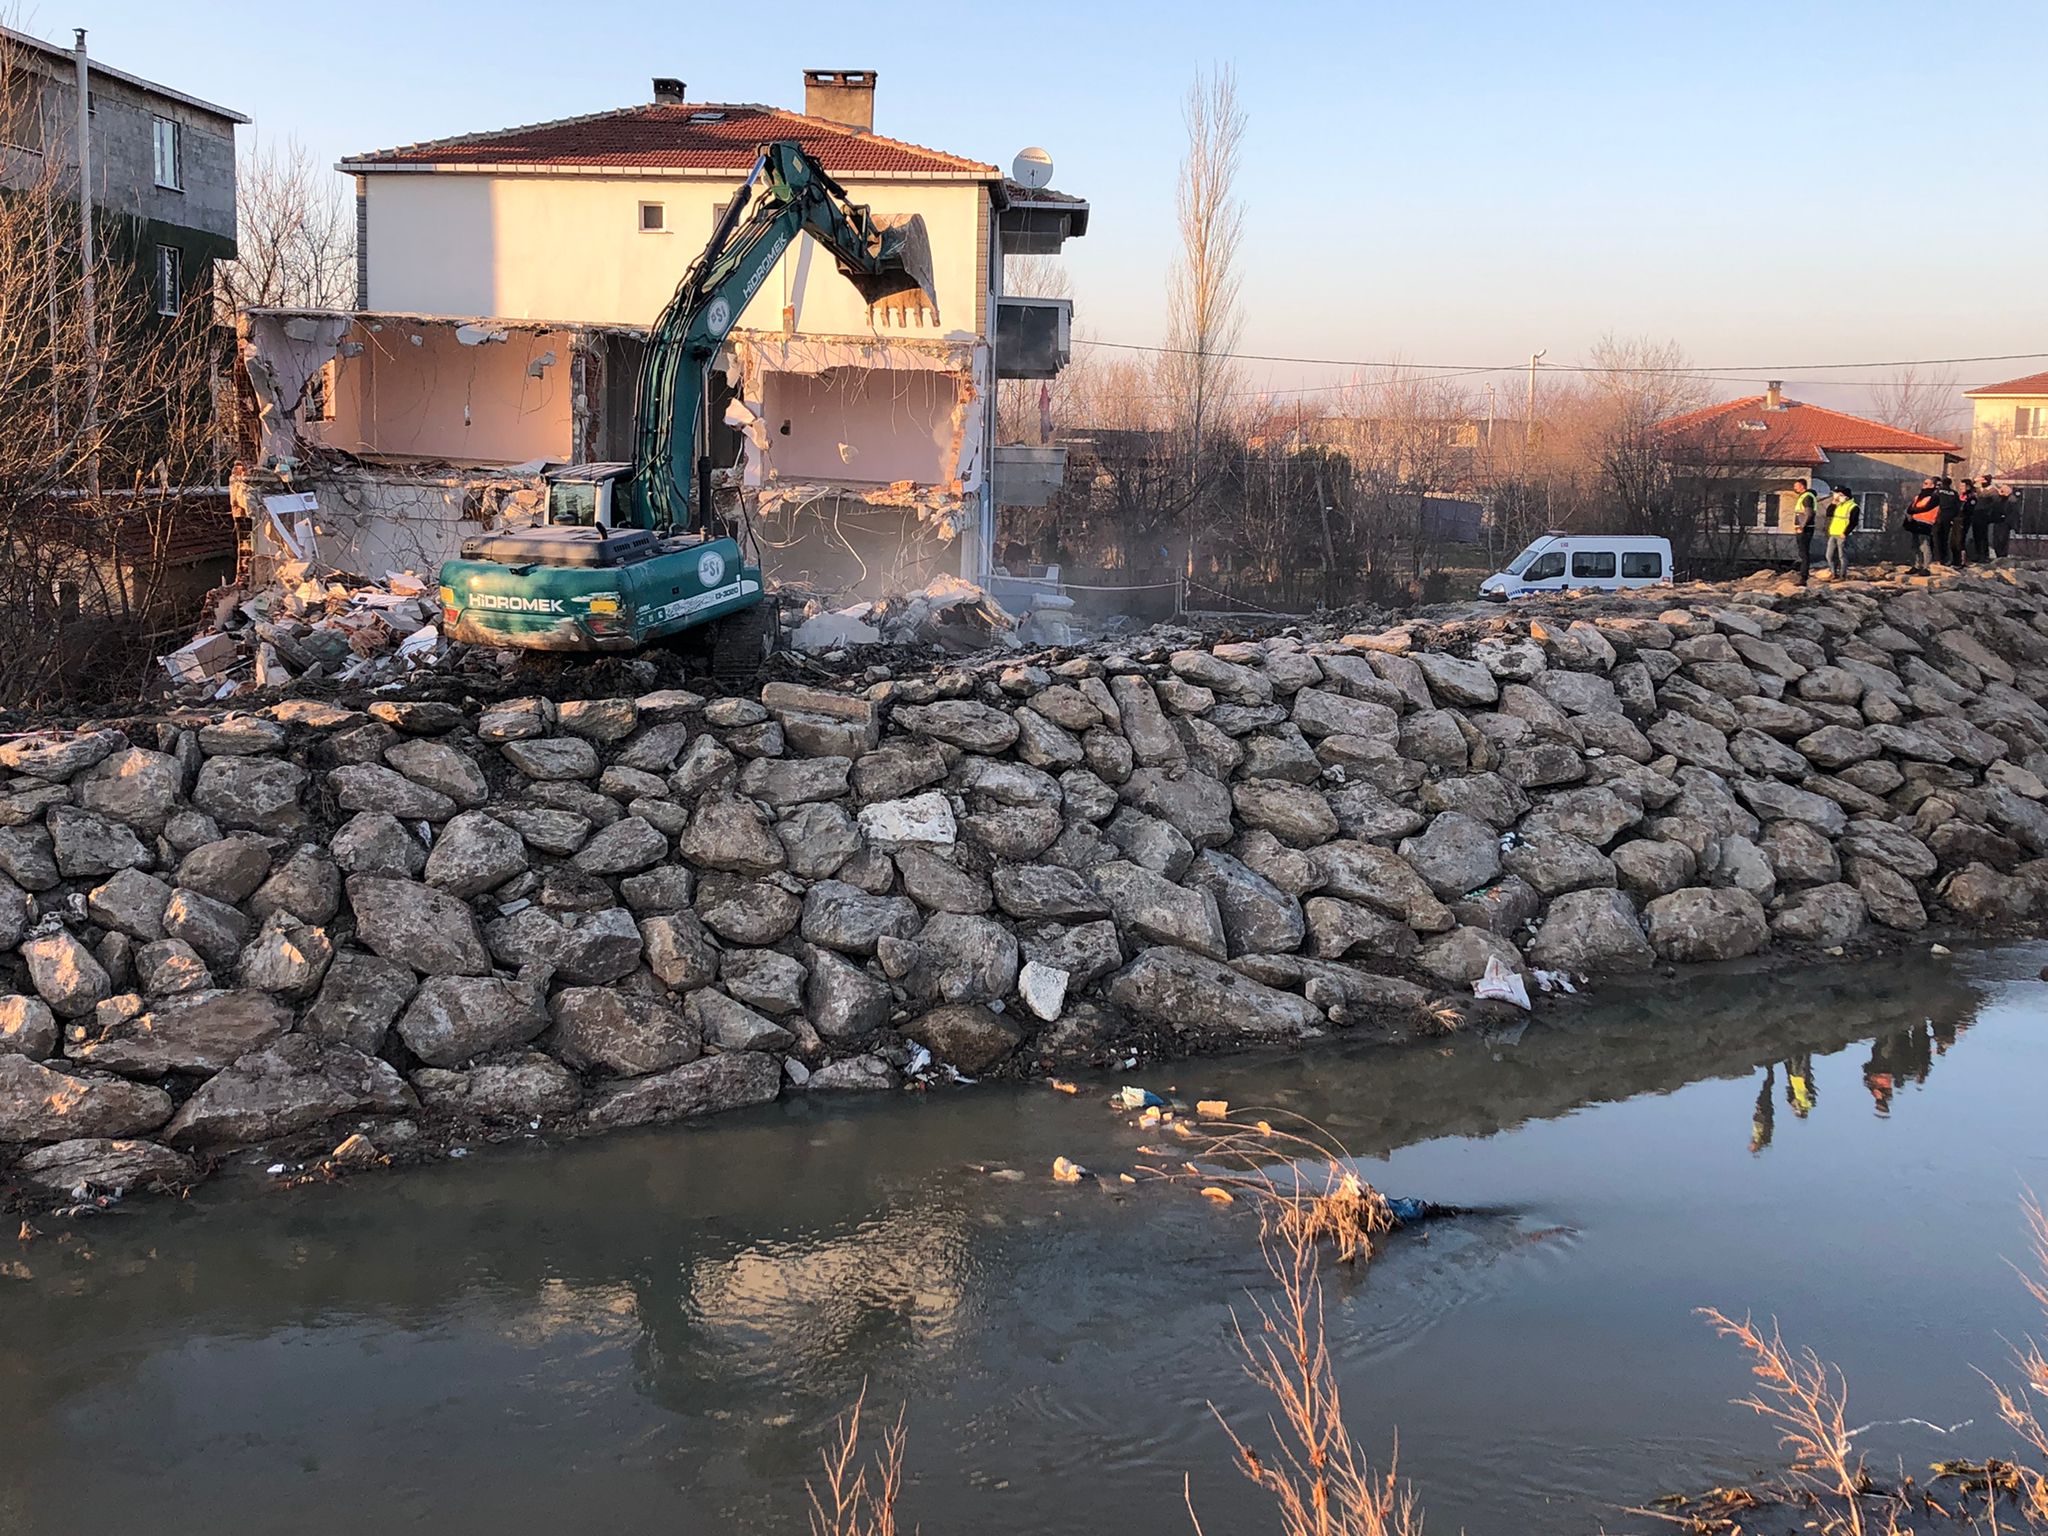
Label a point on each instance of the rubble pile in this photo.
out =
(314, 921)
(307, 627)
(950, 615)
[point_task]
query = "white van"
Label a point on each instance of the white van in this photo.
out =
(1574, 562)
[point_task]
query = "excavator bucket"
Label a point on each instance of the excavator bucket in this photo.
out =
(906, 278)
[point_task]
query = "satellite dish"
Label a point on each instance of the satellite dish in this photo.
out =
(1032, 168)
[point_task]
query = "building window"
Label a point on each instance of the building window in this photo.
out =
(653, 218)
(1873, 512)
(2030, 421)
(170, 279)
(1597, 564)
(167, 154)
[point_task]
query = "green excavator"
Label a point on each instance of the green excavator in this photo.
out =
(630, 553)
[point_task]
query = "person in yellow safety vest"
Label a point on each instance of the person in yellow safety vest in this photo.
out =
(1802, 526)
(1841, 518)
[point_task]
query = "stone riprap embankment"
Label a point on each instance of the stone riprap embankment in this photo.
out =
(309, 919)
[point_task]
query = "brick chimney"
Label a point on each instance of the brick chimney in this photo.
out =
(844, 96)
(1774, 395)
(669, 91)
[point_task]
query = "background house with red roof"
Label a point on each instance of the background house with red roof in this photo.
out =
(505, 280)
(1755, 447)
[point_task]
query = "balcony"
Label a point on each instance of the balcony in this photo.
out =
(1034, 337)
(1028, 474)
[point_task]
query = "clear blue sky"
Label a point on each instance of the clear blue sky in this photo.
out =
(1781, 181)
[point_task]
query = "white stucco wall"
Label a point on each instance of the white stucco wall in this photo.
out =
(570, 248)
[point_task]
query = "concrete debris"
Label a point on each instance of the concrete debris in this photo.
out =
(949, 614)
(308, 627)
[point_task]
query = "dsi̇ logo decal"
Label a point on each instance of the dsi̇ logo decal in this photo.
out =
(718, 315)
(710, 568)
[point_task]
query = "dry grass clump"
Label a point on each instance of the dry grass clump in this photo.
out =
(2019, 1406)
(1302, 1181)
(857, 1495)
(1321, 1483)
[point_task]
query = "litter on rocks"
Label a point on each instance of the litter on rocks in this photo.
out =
(1139, 1098)
(1066, 1171)
(1555, 981)
(1213, 1109)
(1502, 982)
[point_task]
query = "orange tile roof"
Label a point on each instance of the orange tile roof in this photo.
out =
(678, 136)
(2031, 384)
(1799, 433)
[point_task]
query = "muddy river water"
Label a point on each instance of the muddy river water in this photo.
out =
(654, 1331)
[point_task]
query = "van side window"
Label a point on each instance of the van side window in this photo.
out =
(1647, 564)
(1593, 562)
(1546, 567)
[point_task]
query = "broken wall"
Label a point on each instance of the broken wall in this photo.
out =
(371, 519)
(469, 394)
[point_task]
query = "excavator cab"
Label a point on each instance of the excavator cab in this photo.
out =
(583, 495)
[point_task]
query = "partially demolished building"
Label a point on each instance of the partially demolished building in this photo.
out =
(504, 283)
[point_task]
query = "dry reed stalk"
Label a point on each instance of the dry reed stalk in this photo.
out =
(1303, 1182)
(850, 1504)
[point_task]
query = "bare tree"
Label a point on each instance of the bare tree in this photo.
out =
(1916, 399)
(1203, 317)
(295, 234)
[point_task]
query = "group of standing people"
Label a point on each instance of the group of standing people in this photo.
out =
(1841, 518)
(1954, 524)
(1951, 523)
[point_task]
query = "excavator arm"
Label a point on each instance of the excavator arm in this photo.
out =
(785, 196)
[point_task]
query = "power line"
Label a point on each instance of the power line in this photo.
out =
(1740, 372)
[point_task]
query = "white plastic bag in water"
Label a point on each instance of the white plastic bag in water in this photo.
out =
(1503, 983)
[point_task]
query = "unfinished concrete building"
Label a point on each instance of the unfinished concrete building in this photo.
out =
(504, 283)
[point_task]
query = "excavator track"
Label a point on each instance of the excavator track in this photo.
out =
(742, 644)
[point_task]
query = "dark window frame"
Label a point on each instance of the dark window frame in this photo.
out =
(1579, 556)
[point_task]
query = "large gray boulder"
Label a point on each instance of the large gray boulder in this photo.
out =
(1258, 917)
(1554, 862)
(283, 1088)
(429, 930)
(621, 1032)
(1190, 992)
(747, 911)
(1822, 915)
(89, 846)
(1383, 880)
(454, 1019)
(1591, 931)
(50, 1103)
(960, 722)
(961, 958)
(843, 1001)
(1702, 924)
(1198, 805)
(727, 833)
(373, 787)
(257, 793)
(103, 1165)
(1456, 854)
(729, 1025)
(138, 787)
(528, 1086)
(359, 999)
(710, 1085)
(27, 1027)
(1155, 908)
(965, 1035)
(188, 1032)
(287, 957)
(65, 974)
(475, 853)
(840, 916)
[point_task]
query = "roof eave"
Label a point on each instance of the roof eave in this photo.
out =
(65, 55)
(679, 172)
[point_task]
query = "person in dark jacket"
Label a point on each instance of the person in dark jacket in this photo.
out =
(1967, 529)
(1923, 521)
(1802, 526)
(1998, 515)
(1949, 538)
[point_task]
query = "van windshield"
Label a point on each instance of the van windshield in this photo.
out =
(1521, 562)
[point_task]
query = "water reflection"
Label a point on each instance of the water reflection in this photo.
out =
(665, 1321)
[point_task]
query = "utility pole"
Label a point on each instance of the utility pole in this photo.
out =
(87, 298)
(1529, 421)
